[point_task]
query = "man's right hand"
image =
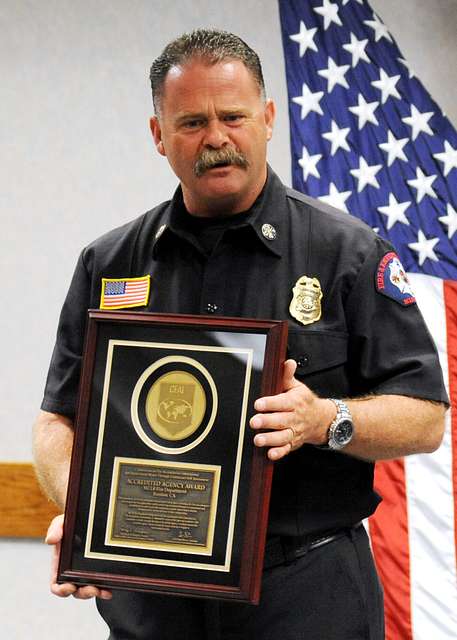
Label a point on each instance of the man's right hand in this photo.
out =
(54, 537)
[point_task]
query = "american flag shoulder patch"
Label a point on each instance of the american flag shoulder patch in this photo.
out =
(122, 293)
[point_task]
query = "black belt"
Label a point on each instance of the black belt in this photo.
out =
(285, 549)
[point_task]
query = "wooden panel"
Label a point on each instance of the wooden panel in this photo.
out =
(24, 511)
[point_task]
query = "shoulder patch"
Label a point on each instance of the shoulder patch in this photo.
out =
(392, 281)
(123, 293)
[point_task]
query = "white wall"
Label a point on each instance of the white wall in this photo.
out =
(76, 159)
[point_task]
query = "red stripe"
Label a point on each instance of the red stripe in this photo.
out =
(389, 538)
(450, 303)
(117, 302)
(125, 296)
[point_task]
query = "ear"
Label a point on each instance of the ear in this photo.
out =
(269, 114)
(157, 134)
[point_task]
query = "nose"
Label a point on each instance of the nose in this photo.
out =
(215, 134)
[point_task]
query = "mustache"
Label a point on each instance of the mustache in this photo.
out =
(210, 158)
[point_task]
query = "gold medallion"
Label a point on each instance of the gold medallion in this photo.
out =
(306, 302)
(175, 405)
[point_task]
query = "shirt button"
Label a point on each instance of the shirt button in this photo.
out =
(303, 360)
(211, 308)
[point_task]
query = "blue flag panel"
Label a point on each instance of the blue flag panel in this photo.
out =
(366, 136)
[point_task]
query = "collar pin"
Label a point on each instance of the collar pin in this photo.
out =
(160, 230)
(268, 231)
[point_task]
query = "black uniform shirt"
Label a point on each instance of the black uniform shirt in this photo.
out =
(364, 343)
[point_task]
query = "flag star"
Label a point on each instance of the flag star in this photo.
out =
(309, 101)
(336, 198)
(423, 184)
(357, 50)
(308, 164)
(380, 29)
(329, 11)
(424, 248)
(406, 64)
(386, 84)
(394, 148)
(450, 220)
(366, 174)
(337, 137)
(418, 121)
(395, 211)
(365, 111)
(305, 38)
(334, 75)
(448, 157)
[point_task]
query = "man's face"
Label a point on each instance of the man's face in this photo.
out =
(214, 110)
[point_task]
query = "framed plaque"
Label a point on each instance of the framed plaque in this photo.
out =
(167, 492)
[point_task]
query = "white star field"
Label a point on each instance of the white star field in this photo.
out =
(379, 145)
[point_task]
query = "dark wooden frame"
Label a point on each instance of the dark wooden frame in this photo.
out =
(247, 588)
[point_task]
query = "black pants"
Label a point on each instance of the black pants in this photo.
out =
(331, 593)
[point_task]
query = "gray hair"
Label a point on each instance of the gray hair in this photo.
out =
(210, 45)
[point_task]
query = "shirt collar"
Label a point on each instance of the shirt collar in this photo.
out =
(267, 218)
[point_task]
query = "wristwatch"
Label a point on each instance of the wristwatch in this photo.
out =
(341, 431)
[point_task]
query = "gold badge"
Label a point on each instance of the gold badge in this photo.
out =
(306, 302)
(175, 405)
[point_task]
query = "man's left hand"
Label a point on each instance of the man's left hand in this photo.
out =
(291, 418)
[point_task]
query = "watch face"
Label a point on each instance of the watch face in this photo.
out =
(343, 432)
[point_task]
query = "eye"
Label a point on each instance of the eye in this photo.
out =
(195, 123)
(233, 118)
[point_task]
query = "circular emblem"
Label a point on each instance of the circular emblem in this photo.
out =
(268, 231)
(175, 405)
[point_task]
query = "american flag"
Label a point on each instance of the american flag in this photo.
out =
(367, 138)
(124, 292)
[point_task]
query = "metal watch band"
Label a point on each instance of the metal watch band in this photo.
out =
(342, 410)
(341, 430)
(343, 416)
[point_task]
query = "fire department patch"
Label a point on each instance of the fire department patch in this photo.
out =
(392, 281)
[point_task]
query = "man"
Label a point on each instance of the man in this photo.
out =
(234, 241)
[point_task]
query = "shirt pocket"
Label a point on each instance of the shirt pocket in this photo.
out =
(322, 360)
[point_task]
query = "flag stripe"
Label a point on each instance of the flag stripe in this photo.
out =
(118, 301)
(429, 479)
(425, 524)
(134, 294)
(450, 296)
(125, 297)
(389, 539)
(368, 139)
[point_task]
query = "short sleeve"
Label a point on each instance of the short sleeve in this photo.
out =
(390, 348)
(61, 390)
